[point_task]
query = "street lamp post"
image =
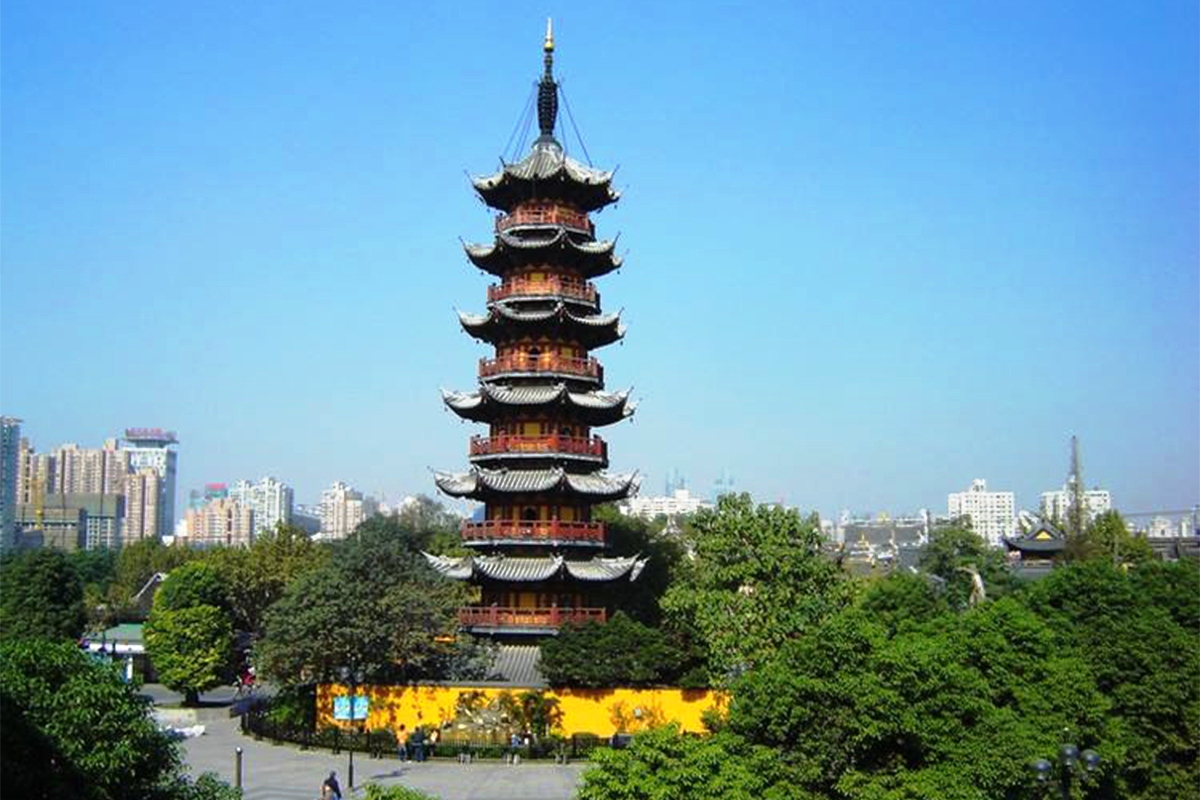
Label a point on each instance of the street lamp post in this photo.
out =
(353, 678)
(1071, 765)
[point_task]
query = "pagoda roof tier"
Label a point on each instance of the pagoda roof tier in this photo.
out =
(547, 173)
(504, 321)
(497, 401)
(536, 570)
(589, 258)
(483, 484)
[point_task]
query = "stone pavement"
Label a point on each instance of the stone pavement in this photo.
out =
(284, 772)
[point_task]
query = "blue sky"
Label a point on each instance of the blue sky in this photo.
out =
(873, 250)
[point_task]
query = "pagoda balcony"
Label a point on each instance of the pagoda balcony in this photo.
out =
(526, 620)
(549, 286)
(593, 448)
(547, 363)
(516, 531)
(546, 214)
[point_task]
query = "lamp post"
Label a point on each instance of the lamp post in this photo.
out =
(353, 677)
(1071, 765)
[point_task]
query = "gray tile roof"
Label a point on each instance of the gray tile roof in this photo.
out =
(478, 483)
(592, 330)
(592, 259)
(533, 570)
(600, 408)
(517, 665)
(547, 162)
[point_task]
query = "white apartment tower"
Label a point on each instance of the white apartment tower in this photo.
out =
(993, 514)
(150, 448)
(142, 491)
(342, 510)
(270, 499)
(1055, 505)
(221, 522)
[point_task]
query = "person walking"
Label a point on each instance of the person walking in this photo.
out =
(418, 744)
(402, 743)
(330, 790)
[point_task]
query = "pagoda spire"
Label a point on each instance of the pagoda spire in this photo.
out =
(547, 104)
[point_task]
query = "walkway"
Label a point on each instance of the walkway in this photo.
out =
(284, 772)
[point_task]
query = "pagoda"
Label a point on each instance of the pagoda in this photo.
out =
(537, 556)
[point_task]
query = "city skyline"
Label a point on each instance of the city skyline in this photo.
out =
(873, 254)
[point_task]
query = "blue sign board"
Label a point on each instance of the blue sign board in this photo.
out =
(341, 707)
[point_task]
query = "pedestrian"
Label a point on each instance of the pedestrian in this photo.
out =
(418, 744)
(330, 789)
(402, 743)
(514, 748)
(434, 735)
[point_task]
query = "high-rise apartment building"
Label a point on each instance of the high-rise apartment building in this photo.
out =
(150, 448)
(342, 510)
(270, 499)
(993, 514)
(1055, 504)
(223, 521)
(142, 493)
(78, 470)
(10, 443)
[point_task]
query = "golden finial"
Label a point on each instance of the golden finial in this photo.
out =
(548, 46)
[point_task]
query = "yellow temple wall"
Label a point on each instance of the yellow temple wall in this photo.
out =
(599, 711)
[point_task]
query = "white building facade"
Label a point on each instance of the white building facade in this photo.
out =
(343, 509)
(151, 448)
(680, 501)
(993, 514)
(270, 499)
(1055, 505)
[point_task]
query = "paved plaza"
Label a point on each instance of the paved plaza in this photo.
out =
(284, 772)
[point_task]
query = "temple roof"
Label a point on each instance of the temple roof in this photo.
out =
(481, 484)
(1041, 539)
(495, 400)
(507, 568)
(590, 259)
(505, 321)
(547, 173)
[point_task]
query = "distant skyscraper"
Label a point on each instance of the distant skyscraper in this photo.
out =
(342, 510)
(220, 522)
(10, 444)
(270, 500)
(1055, 504)
(722, 485)
(142, 492)
(151, 448)
(993, 514)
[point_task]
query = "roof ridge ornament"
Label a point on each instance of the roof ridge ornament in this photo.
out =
(547, 101)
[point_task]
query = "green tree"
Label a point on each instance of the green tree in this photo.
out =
(72, 728)
(903, 599)
(634, 655)
(256, 577)
(955, 549)
(757, 580)
(41, 595)
(664, 554)
(136, 564)
(1107, 537)
(193, 584)
(376, 608)
(191, 649)
(667, 765)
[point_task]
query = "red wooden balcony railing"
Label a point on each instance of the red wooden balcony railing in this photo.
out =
(533, 530)
(572, 445)
(545, 214)
(550, 285)
(502, 617)
(547, 362)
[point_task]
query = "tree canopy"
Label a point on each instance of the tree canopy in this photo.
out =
(73, 728)
(756, 581)
(191, 648)
(633, 655)
(40, 595)
(376, 608)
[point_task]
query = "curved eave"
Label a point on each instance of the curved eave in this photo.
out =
(547, 172)
(589, 259)
(1038, 546)
(494, 402)
(485, 484)
(536, 570)
(503, 323)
